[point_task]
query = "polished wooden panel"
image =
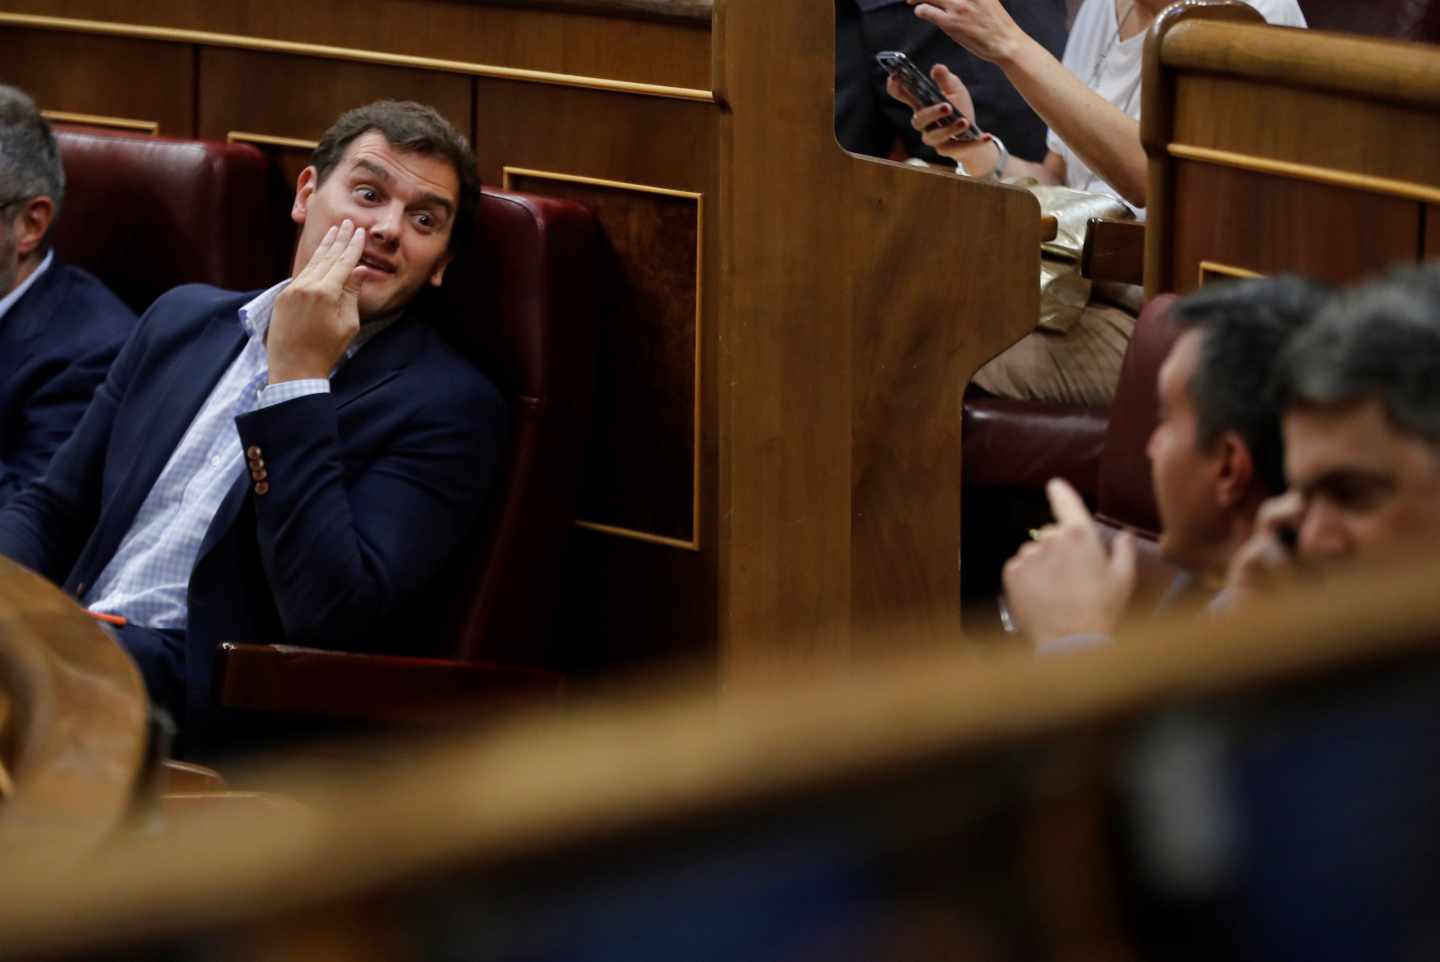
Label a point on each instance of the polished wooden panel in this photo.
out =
(78, 74)
(692, 11)
(1329, 129)
(1274, 225)
(1320, 147)
(676, 54)
(77, 730)
(857, 298)
(612, 620)
(642, 472)
(269, 82)
(1384, 70)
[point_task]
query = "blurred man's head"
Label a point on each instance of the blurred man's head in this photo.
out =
(1361, 391)
(1217, 452)
(32, 184)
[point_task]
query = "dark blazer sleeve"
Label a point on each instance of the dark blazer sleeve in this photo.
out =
(77, 336)
(46, 524)
(343, 544)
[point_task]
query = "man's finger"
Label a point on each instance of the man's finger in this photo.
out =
(1066, 504)
(1282, 510)
(346, 259)
(1122, 558)
(317, 258)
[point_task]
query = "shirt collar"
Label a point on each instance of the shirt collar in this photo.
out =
(11, 299)
(255, 319)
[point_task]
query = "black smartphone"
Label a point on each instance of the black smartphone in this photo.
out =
(922, 88)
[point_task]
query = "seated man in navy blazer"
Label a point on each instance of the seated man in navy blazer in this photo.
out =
(288, 465)
(59, 327)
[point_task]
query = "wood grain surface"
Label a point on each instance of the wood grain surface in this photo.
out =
(77, 727)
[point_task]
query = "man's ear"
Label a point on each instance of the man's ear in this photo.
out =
(1237, 470)
(438, 275)
(32, 224)
(304, 187)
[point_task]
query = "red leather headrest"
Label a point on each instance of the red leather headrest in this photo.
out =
(1126, 496)
(145, 214)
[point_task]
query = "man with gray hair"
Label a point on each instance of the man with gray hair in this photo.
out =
(59, 327)
(1361, 400)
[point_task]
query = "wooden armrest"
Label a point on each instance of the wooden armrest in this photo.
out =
(1049, 227)
(1114, 251)
(377, 688)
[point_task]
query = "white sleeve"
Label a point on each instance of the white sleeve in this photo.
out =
(1282, 13)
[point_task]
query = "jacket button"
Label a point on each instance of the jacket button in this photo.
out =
(262, 487)
(259, 474)
(253, 453)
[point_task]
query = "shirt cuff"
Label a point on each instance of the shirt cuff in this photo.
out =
(273, 394)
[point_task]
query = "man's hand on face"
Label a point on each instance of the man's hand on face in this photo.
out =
(1064, 582)
(317, 315)
(1267, 562)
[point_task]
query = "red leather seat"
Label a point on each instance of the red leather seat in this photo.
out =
(145, 214)
(524, 310)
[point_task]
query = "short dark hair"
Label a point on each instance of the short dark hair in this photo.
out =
(1377, 341)
(407, 125)
(1244, 327)
(30, 163)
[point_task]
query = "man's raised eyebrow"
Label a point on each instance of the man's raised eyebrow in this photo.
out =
(427, 199)
(374, 168)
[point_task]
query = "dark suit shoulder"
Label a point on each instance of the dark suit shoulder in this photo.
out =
(68, 305)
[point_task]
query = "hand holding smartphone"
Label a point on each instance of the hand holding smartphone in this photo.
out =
(919, 85)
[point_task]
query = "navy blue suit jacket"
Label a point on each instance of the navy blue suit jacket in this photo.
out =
(371, 487)
(56, 343)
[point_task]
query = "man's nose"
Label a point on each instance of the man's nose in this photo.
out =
(385, 228)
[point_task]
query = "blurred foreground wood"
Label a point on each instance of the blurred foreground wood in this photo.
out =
(643, 772)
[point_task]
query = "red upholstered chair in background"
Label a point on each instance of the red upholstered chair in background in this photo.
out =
(145, 214)
(525, 312)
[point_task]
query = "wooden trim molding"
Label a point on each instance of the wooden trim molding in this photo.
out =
(151, 127)
(1212, 270)
(261, 44)
(268, 140)
(696, 12)
(508, 173)
(1406, 189)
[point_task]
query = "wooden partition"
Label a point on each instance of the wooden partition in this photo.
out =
(1274, 149)
(776, 456)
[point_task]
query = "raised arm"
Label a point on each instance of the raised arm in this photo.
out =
(1101, 134)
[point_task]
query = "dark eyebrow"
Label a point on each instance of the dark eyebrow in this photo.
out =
(426, 198)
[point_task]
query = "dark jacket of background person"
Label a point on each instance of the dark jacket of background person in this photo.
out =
(867, 120)
(56, 343)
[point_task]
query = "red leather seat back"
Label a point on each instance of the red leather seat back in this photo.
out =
(523, 308)
(145, 214)
(1125, 496)
(1400, 19)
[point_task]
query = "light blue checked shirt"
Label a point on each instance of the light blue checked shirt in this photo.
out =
(148, 578)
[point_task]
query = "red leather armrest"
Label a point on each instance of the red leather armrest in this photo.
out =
(379, 688)
(1023, 444)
